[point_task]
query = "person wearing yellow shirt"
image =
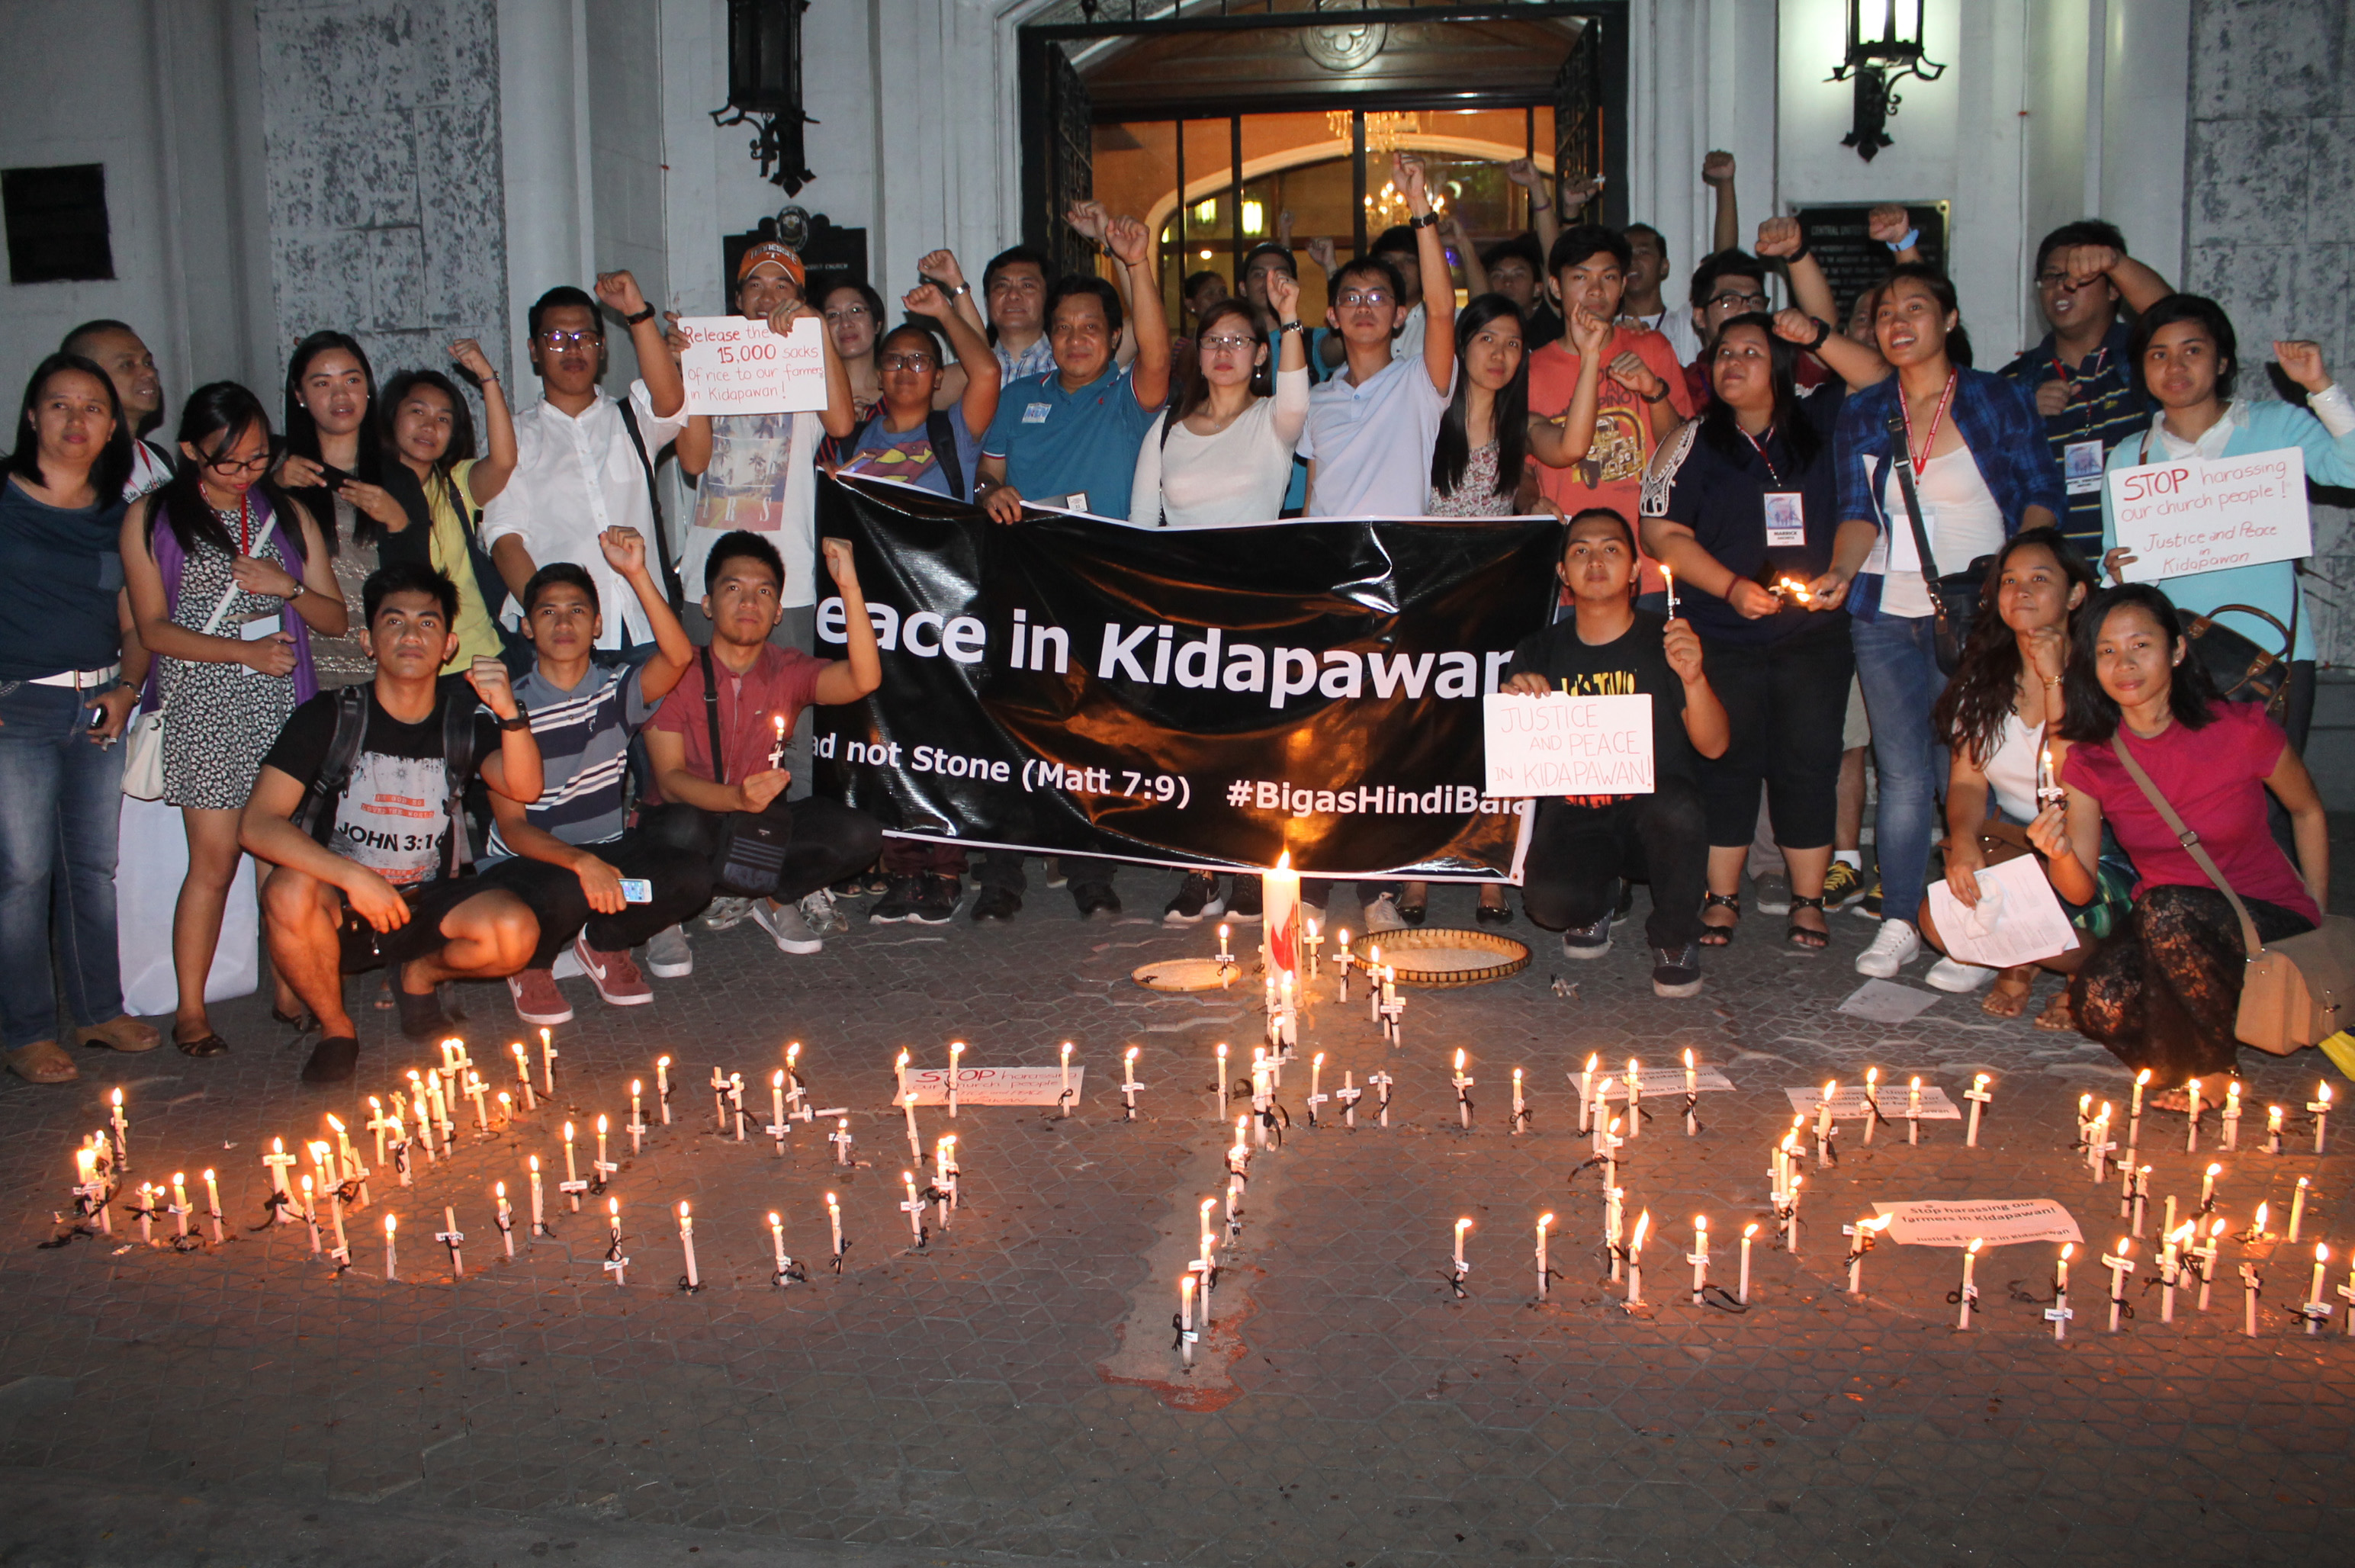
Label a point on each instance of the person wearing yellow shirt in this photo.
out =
(431, 429)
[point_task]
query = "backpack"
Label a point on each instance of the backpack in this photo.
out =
(315, 815)
(942, 435)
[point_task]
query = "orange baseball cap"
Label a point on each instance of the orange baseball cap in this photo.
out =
(769, 251)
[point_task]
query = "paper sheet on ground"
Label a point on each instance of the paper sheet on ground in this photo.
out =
(2000, 1223)
(995, 1085)
(2208, 514)
(2018, 919)
(1847, 1101)
(1885, 1003)
(1564, 745)
(733, 365)
(1661, 1082)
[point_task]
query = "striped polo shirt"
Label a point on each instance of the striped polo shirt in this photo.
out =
(584, 744)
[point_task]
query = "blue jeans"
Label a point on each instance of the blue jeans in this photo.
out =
(61, 803)
(1897, 665)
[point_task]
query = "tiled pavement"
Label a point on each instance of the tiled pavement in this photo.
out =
(1009, 1392)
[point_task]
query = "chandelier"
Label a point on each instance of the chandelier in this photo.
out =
(1385, 129)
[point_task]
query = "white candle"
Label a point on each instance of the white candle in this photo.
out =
(1128, 1085)
(523, 1075)
(507, 1218)
(1186, 1333)
(1978, 1095)
(1463, 1099)
(1742, 1294)
(506, 1110)
(2134, 1112)
(548, 1055)
(915, 1209)
(538, 1208)
(123, 1134)
(1461, 1268)
(2170, 1249)
(1226, 954)
(212, 1204)
(840, 1138)
(2296, 1209)
(1823, 1124)
(1970, 1293)
(687, 1246)
(180, 1204)
(2250, 1281)
(451, 1237)
(2208, 1188)
(1635, 1259)
(377, 1124)
(662, 1086)
(1699, 1257)
(777, 1234)
(1669, 574)
(2119, 1266)
(1913, 1112)
(2059, 1312)
(2232, 1116)
(1342, 959)
(2316, 1312)
(310, 1215)
(2319, 1105)
(1222, 1080)
(1693, 1096)
(2208, 1261)
(571, 1172)
(278, 1160)
(2192, 1118)
(777, 1123)
(1791, 1240)
(2273, 1129)
(1544, 1275)
(1373, 989)
(945, 1176)
(1585, 1088)
(615, 1260)
(637, 1115)
(1635, 1097)
(391, 1221)
(475, 1089)
(1871, 1100)
(834, 1218)
(777, 752)
(899, 1071)
(605, 1169)
(1520, 1109)
(1865, 1233)
(1280, 921)
(915, 1145)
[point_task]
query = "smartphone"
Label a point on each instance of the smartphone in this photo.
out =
(637, 890)
(336, 477)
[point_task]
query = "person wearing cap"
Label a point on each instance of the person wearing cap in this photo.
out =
(582, 459)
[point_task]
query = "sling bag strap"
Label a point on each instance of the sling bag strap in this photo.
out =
(1902, 455)
(654, 499)
(2250, 943)
(711, 715)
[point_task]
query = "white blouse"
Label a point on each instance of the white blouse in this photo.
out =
(1223, 481)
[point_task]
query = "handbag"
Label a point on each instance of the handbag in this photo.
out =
(749, 849)
(1954, 600)
(2293, 993)
(2243, 671)
(142, 747)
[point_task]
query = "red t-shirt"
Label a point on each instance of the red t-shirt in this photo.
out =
(1612, 473)
(2214, 777)
(781, 683)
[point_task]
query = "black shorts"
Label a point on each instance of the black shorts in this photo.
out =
(366, 948)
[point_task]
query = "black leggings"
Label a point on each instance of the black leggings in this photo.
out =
(1579, 853)
(682, 885)
(1785, 702)
(825, 840)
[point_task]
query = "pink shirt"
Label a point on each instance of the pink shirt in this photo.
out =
(781, 683)
(2214, 777)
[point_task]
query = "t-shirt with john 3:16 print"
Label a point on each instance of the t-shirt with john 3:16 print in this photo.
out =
(1633, 662)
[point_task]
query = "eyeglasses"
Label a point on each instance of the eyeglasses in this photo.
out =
(1236, 345)
(225, 465)
(1732, 300)
(845, 313)
(1363, 296)
(906, 362)
(563, 340)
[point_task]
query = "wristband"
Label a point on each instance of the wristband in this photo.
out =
(1427, 220)
(1801, 254)
(642, 316)
(1912, 238)
(1661, 397)
(1823, 336)
(522, 720)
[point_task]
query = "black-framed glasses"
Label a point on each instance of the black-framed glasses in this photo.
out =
(1746, 302)
(906, 362)
(223, 465)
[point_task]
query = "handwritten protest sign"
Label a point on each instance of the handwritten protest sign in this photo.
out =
(995, 1085)
(1559, 744)
(2000, 1223)
(737, 366)
(2208, 514)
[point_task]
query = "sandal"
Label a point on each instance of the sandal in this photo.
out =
(211, 1044)
(1803, 937)
(303, 1022)
(1718, 935)
(43, 1061)
(2058, 1016)
(2009, 999)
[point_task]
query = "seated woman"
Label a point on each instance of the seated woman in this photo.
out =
(2164, 992)
(1999, 715)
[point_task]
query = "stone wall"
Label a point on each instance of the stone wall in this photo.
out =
(385, 201)
(2270, 218)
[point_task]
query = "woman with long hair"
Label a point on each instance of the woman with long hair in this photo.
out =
(62, 707)
(2185, 350)
(335, 465)
(1981, 472)
(428, 426)
(854, 320)
(1740, 506)
(2000, 717)
(2163, 992)
(215, 561)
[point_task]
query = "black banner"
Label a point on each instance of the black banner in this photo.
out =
(1189, 697)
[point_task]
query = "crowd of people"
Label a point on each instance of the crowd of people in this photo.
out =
(483, 715)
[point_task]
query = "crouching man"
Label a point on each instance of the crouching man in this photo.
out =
(359, 812)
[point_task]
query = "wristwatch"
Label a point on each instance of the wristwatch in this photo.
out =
(522, 720)
(1427, 220)
(1283, 326)
(960, 289)
(1661, 397)
(644, 315)
(1823, 336)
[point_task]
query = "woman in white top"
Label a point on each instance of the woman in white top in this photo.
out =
(2001, 714)
(1223, 455)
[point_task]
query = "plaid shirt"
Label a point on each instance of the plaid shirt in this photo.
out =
(2105, 404)
(1997, 420)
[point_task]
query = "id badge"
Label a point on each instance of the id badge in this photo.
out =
(1036, 413)
(1787, 518)
(2081, 466)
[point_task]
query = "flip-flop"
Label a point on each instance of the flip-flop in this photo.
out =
(2005, 1002)
(43, 1061)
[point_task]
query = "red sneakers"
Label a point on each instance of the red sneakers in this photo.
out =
(536, 999)
(615, 977)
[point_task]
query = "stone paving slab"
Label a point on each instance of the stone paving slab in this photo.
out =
(1009, 1388)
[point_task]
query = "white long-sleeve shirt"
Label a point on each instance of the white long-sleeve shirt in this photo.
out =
(573, 479)
(1223, 481)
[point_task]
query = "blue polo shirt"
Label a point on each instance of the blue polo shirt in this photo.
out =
(1055, 441)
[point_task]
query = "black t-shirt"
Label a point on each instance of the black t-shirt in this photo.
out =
(1632, 664)
(394, 816)
(1721, 497)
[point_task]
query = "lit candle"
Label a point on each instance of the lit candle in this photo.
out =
(1462, 1097)
(2059, 1312)
(2133, 1113)
(123, 1134)
(572, 1182)
(1699, 1257)
(2192, 1118)
(310, 1215)
(944, 1175)
(1315, 943)
(2207, 1188)
(2296, 1209)
(1280, 922)
(1791, 1239)
(377, 1124)
(342, 1252)
(539, 1210)
(2168, 1268)
(1521, 1110)
(2273, 1129)
(2232, 1116)
(180, 1204)
(1063, 1100)
(2257, 1222)
(1669, 574)
(1864, 1233)
(1970, 1292)
(841, 1139)
(616, 1264)
(391, 1222)
(1222, 1080)
(482, 1115)
(1461, 1268)
(2119, 1266)
(915, 1146)
(1913, 1112)
(2319, 1105)
(2250, 1283)
(793, 1082)
(1742, 1294)
(2317, 1312)
(915, 1209)
(1823, 1124)
(637, 1115)
(523, 1074)
(1186, 1335)
(834, 1218)
(1635, 1097)
(662, 1086)
(1342, 959)
(736, 1102)
(1544, 1275)
(687, 1246)
(1128, 1085)
(1373, 990)
(1585, 1088)
(2208, 1261)
(777, 1238)
(548, 1055)
(2142, 1195)
(212, 1204)
(1226, 954)
(777, 752)
(1635, 1259)
(279, 1161)
(507, 1218)
(507, 1109)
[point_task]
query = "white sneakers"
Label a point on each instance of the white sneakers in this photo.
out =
(1895, 945)
(1961, 980)
(786, 927)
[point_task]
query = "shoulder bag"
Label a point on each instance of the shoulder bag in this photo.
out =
(750, 851)
(143, 749)
(1955, 600)
(2243, 670)
(2295, 993)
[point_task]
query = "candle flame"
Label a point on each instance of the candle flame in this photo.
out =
(1749, 1231)
(2217, 1232)
(1701, 1224)
(390, 1221)
(1544, 1219)
(499, 1189)
(829, 1201)
(568, 1132)
(613, 1207)
(208, 1174)
(1463, 1224)
(776, 1221)
(1067, 1048)
(2215, 1170)
(334, 1121)
(2066, 1248)
(2303, 1180)
(117, 1097)
(601, 1124)
(2188, 1231)
(1321, 1061)
(2142, 1077)
(2258, 1224)
(1643, 1223)
(2321, 1253)
(1976, 1242)
(1688, 1060)
(1283, 861)
(1459, 1062)
(682, 1210)
(535, 1164)
(659, 1060)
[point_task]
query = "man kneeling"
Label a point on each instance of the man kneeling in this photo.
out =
(359, 812)
(574, 859)
(1582, 845)
(716, 744)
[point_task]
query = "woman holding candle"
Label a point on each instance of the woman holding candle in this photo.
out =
(2163, 991)
(1741, 506)
(2000, 715)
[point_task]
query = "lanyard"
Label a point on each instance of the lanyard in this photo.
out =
(245, 523)
(1773, 474)
(2094, 361)
(1921, 454)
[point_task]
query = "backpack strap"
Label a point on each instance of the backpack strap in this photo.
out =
(313, 816)
(942, 435)
(654, 499)
(711, 715)
(457, 771)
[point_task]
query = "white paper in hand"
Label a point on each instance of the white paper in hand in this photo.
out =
(733, 365)
(2018, 919)
(1563, 745)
